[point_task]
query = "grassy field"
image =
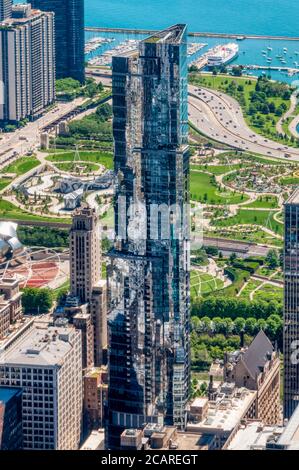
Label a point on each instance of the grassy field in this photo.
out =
(104, 158)
(258, 236)
(288, 180)
(21, 166)
(269, 293)
(202, 283)
(264, 202)
(9, 211)
(263, 218)
(216, 169)
(4, 182)
(204, 189)
(73, 167)
(250, 286)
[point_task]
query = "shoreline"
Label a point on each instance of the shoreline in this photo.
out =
(236, 36)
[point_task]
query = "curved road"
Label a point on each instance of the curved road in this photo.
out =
(220, 117)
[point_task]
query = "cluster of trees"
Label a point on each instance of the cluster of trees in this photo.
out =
(233, 307)
(265, 90)
(211, 338)
(69, 88)
(49, 237)
(94, 125)
(37, 300)
(250, 326)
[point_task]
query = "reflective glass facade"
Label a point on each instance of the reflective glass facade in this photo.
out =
(291, 306)
(149, 272)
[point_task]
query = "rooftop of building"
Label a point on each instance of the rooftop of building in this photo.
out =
(225, 412)
(7, 393)
(15, 330)
(290, 436)
(253, 435)
(95, 440)
(193, 441)
(41, 345)
(21, 14)
(257, 354)
(171, 35)
(199, 402)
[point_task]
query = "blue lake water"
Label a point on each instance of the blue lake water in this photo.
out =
(264, 17)
(272, 17)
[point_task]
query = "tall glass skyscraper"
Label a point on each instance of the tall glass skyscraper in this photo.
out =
(148, 278)
(69, 35)
(291, 306)
(5, 9)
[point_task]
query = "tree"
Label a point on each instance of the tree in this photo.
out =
(232, 257)
(272, 259)
(239, 324)
(37, 300)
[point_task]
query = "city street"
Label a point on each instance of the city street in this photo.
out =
(27, 138)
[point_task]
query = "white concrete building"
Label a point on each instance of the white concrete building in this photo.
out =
(46, 362)
(27, 68)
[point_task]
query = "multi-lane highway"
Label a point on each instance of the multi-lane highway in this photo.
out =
(220, 117)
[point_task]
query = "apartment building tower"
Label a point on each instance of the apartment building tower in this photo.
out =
(5, 9)
(148, 278)
(27, 65)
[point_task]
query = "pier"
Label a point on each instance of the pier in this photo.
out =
(238, 37)
(291, 71)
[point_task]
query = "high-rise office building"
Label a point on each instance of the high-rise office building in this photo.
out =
(87, 287)
(291, 306)
(27, 65)
(46, 362)
(5, 9)
(69, 36)
(85, 252)
(148, 278)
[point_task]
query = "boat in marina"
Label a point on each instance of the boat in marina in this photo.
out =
(223, 54)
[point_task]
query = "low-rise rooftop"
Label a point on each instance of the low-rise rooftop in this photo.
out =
(41, 345)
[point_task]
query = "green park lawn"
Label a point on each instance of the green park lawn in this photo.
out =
(269, 293)
(21, 166)
(204, 189)
(4, 182)
(104, 158)
(251, 285)
(263, 218)
(9, 211)
(73, 167)
(288, 180)
(264, 202)
(216, 169)
(203, 283)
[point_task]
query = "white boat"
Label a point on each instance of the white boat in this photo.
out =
(270, 48)
(223, 54)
